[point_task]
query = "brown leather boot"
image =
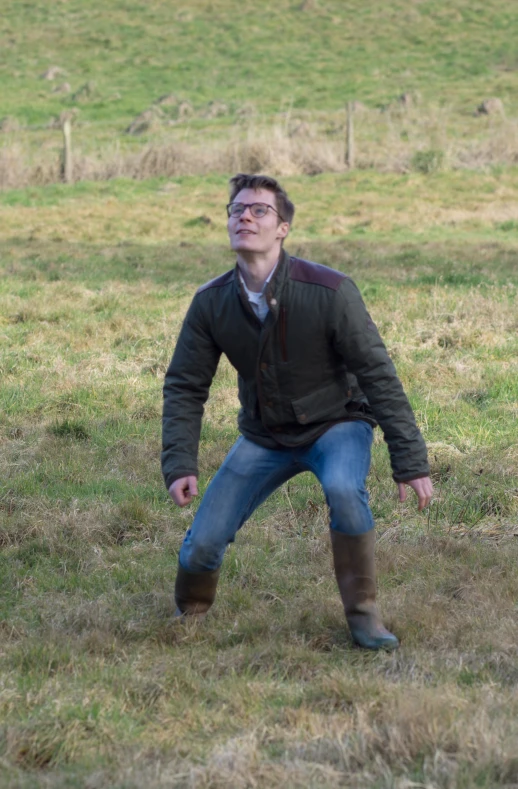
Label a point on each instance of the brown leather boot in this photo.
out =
(353, 558)
(195, 592)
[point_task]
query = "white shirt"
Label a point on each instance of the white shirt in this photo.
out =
(258, 300)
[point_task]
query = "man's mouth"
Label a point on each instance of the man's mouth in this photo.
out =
(243, 231)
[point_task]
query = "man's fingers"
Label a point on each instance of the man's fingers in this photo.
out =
(423, 488)
(190, 489)
(183, 490)
(185, 494)
(425, 493)
(424, 501)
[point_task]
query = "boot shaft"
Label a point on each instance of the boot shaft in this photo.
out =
(355, 570)
(195, 592)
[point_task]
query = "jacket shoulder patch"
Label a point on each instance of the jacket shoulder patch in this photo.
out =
(315, 274)
(217, 282)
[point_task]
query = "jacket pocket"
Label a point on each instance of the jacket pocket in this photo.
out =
(324, 404)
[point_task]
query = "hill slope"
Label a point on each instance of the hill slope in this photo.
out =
(119, 56)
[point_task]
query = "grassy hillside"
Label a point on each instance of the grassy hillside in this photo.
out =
(255, 86)
(272, 55)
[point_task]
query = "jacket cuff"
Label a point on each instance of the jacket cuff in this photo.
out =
(409, 477)
(174, 475)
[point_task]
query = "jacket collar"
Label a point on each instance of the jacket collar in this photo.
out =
(274, 287)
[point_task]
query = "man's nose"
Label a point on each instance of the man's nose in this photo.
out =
(247, 213)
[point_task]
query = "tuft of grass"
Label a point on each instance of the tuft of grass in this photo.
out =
(70, 429)
(428, 161)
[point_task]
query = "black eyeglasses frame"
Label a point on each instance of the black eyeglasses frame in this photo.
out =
(250, 206)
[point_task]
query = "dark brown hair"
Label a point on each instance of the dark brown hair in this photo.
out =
(283, 203)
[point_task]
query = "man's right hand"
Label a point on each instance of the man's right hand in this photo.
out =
(183, 490)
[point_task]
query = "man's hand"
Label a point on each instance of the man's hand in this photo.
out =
(423, 488)
(183, 490)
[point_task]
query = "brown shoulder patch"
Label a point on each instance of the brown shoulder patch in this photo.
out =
(315, 274)
(217, 282)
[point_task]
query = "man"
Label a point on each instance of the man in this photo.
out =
(314, 378)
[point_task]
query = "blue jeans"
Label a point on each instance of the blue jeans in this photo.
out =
(340, 460)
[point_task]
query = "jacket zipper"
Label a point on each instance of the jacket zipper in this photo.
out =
(284, 350)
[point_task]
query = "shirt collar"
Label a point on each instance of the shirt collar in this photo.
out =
(252, 293)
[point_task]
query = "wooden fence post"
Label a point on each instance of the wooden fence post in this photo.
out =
(349, 138)
(68, 168)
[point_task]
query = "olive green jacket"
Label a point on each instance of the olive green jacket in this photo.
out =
(317, 360)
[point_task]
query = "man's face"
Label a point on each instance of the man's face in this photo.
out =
(262, 234)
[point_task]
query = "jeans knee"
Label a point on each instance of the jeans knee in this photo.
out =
(344, 497)
(349, 510)
(200, 556)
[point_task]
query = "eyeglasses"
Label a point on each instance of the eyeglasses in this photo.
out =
(257, 210)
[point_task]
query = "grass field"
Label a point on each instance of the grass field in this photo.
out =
(100, 687)
(254, 86)
(269, 55)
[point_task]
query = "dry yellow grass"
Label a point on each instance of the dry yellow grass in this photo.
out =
(190, 210)
(396, 140)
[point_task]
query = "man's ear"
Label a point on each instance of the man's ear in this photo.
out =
(283, 228)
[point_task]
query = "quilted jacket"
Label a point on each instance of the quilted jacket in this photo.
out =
(317, 360)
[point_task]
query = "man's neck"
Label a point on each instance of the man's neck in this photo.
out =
(255, 269)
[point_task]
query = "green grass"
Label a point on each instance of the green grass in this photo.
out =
(455, 208)
(261, 88)
(272, 56)
(100, 686)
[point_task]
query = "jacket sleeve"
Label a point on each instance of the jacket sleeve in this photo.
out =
(186, 389)
(358, 342)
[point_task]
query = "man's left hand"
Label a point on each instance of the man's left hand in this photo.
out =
(423, 488)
